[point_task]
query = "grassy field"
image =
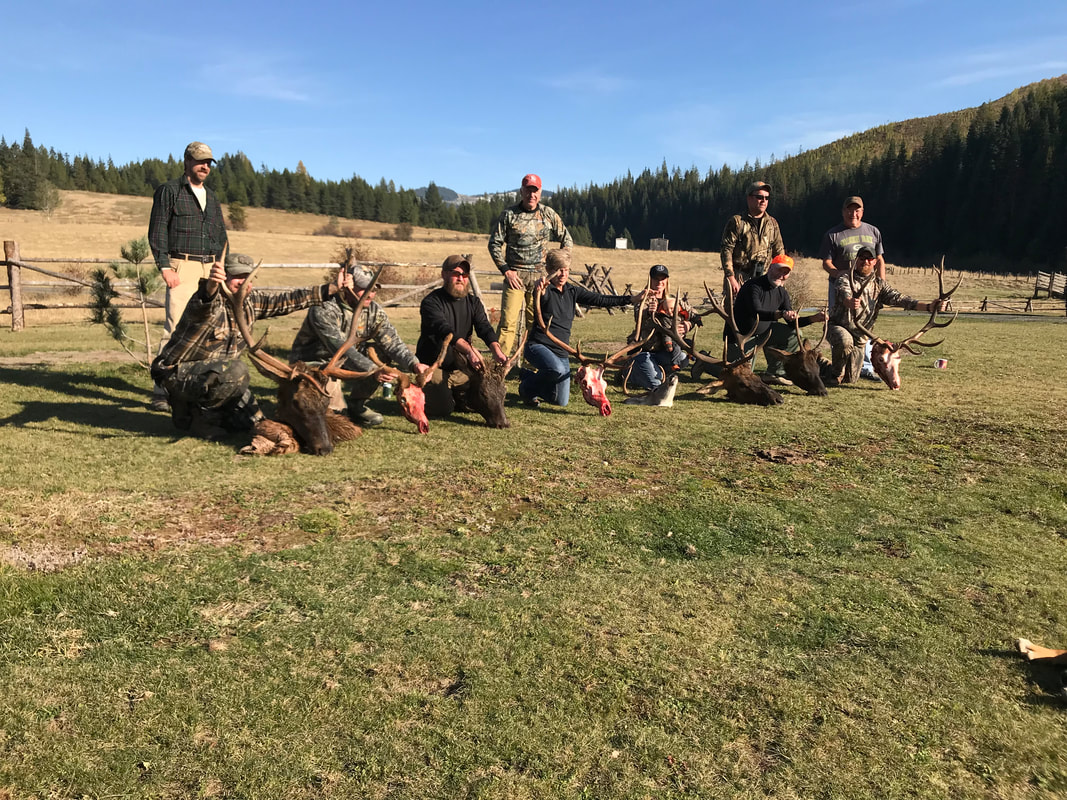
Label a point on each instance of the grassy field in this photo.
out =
(812, 600)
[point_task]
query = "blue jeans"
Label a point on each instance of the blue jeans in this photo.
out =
(552, 380)
(648, 368)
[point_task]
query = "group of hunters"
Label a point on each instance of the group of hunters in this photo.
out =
(202, 381)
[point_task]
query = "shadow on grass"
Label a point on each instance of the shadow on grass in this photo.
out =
(98, 401)
(1048, 678)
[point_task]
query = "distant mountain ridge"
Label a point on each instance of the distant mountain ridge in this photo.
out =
(454, 198)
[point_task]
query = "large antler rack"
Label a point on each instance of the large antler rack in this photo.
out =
(912, 341)
(271, 366)
(608, 360)
(726, 311)
(419, 379)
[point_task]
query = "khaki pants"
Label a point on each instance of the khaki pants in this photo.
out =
(512, 304)
(189, 275)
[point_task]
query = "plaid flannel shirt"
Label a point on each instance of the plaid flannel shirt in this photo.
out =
(177, 225)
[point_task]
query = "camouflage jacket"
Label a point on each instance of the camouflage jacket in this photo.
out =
(206, 329)
(874, 294)
(525, 233)
(747, 241)
(326, 328)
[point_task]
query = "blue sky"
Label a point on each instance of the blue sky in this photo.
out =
(472, 95)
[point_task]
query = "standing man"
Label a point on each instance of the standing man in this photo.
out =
(187, 235)
(750, 240)
(525, 228)
(454, 310)
(841, 244)
(325, 329)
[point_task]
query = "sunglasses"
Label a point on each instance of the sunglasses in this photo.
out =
(459, 275)
(762, 197)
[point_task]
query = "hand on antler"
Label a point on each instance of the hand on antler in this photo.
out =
(218, 273)
(344, 280)
(499, 356)
(789, 316)
(735, 285)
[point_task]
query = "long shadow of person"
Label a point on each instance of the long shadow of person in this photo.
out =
(110, 404)
(1047, 668)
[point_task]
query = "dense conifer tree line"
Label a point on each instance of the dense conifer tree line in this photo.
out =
(985, 187)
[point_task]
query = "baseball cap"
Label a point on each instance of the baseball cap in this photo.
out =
(854, 200)
(361, 278)
(658, 271)
(531, 180)
(238, 265)
(456, 263)
(783, 261)
(198, 151)
(755, 186)
(866, 251)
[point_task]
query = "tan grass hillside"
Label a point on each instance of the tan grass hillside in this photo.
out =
(92, 225)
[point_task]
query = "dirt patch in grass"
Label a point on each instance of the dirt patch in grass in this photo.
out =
(56, 358)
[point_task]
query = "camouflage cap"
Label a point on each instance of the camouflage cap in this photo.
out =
(755, 186)
(238, 265)
(361, 278)
(854, 200)
(198, 151)
(456, 263)
(556, 260)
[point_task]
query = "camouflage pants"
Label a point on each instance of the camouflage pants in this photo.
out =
(846, 352)
(513, 302)
(445, 392)
(211, 393)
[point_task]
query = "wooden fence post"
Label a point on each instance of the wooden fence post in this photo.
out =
(14, 280)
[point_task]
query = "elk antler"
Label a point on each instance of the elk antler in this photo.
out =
(608, 361)
(942, 300)
(727, 313)
(353, 339)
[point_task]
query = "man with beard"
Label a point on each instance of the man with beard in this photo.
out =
(187, 235)
(526, 228)
(452, 309)
(326, 328)
(750, 240)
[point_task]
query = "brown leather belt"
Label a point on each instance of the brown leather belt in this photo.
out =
(188, 257)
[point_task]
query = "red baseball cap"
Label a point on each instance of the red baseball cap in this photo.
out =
(531, 180)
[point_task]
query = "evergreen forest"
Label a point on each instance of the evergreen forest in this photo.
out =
(982, 186)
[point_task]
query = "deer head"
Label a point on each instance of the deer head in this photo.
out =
(885, 355)
(303, 400)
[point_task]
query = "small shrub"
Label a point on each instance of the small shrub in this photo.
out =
(404, 232)
(331, 228)
(238, 219)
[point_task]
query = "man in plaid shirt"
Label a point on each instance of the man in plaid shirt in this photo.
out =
(187, 234)
(200, 368)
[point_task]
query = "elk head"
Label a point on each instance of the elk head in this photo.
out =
(802, 365)
(487, 389)
(303, 400)
(409, 387)
(885, 355)
(736, 377)
(590, 375)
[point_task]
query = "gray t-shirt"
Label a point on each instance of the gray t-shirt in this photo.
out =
(841, 244)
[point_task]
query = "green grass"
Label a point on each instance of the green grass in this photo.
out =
(636, 606)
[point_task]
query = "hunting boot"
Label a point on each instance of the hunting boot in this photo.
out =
(363, 416)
